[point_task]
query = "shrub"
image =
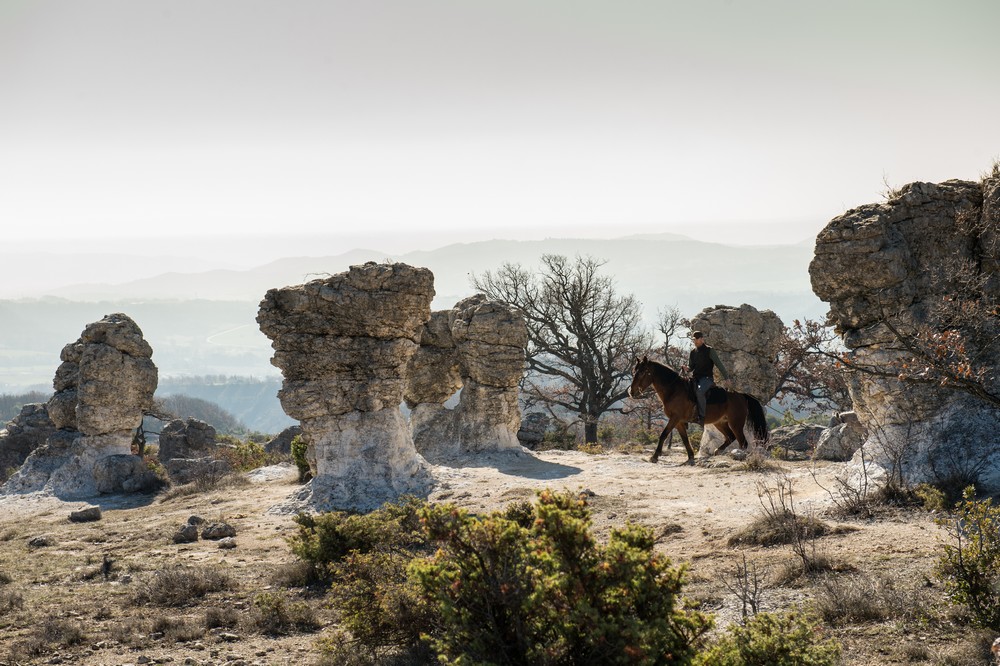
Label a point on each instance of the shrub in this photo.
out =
(505, 593)
(221, 617)
(328, 538)
(178, 586)
(846, 600)
(772, 640)
(244, 455)
(275, 615)
(969, 567)
(177, 630)
(299, 448)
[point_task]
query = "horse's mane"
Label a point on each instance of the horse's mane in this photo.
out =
(664, 372)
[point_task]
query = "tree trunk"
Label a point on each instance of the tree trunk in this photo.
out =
(590, 432)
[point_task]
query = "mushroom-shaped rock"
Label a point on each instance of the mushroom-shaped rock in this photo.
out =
(343, 344)
(899, 261)
(105, 382)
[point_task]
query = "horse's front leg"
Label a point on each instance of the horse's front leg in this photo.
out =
(687, 444)
(663, 435)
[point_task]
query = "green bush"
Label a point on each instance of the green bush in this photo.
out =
(243, 455)
(772, 640)
(325, 540)
(969, 567)
(275, 615)
(299, 448)
(547, 593)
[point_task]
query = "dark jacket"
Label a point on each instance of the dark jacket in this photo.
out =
(703, 360)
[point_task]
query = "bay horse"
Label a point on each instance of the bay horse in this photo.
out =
(727, 411)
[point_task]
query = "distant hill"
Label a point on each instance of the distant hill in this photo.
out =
(202, 323)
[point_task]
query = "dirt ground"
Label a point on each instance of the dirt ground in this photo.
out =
(694, 510)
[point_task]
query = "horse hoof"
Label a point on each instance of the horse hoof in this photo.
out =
(690, 461)
(653, 459)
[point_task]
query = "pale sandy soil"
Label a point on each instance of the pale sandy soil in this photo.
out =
(693, 510)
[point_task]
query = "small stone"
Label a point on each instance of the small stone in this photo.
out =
(195, 520)
(143, 660)
(186, 534)
(42, 541)
(86, 515)
(229, 638)
(227, 543)
(218, 531)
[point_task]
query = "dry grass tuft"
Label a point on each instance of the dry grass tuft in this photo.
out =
(179, 586)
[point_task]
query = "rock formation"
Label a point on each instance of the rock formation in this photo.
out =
(747, 340)
(23, 434)
(343, 344)
(477, 347)
(282, 443)
(898, 260)
(188, 450)
(106, 380)
(842, 439)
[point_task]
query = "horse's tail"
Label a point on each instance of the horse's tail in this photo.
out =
(758, 422)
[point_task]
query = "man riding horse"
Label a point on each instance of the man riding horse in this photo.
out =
(702, 362)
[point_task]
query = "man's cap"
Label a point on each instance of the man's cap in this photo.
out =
(697, 334)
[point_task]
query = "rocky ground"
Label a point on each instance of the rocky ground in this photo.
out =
(76, 596)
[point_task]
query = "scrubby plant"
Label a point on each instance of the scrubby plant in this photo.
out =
(772, 640)
(276, 615)
(299, 448)
(174, 585)
(243, 455)
(548, 593)
(969, 566)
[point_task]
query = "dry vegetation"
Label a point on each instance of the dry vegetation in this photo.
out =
(763, 538)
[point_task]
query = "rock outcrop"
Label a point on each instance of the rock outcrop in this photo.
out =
(188, 451)
(282, 443)
(842, 439)
(477, 347)
(343, 344)
(747, 340)
(106, 380)
(901, 260)
(24, 433)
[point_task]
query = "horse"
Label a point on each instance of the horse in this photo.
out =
(727, 411)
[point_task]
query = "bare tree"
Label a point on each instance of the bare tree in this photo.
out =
(809, 365)
(670, 323)
(582, 335)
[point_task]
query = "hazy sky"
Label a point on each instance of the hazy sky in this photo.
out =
(383, 119)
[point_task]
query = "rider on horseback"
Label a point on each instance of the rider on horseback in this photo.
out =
(701, 364)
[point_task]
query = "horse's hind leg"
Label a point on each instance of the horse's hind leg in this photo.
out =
(727, 432)
(663, 435)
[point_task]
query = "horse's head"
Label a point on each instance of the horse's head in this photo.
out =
(642, 377)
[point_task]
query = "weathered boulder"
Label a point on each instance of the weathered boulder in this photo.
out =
(842, 439)
(85, 515)
(282, 443)
(748, 341)
(477, 347)
(798, 438)
(534, 425)
(343, 344)
(106, 380)
(23, 434)
(216, 531)
(186, 534)
(186, 438)
(899, 261)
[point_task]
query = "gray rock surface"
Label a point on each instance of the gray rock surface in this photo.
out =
(106, 380)
(343, 344)
(889, 259)
(748, 341)
(215, 531)
(282, 443)
(186, 438)
(477, 346)
(86, 515)
(186, 534)
(189, 470)
(534, 425)
(842, 439)
(23, 434)
(799, 438)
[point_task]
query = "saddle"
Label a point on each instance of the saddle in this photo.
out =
(715, 396)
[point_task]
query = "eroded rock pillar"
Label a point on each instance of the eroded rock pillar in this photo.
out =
(343, 344)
